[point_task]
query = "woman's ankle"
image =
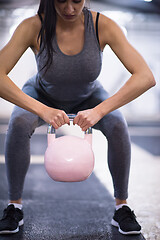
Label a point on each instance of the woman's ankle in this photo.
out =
(120, 201)
(19, 201)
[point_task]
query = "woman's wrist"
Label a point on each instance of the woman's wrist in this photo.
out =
(100, 110)
(41, 110)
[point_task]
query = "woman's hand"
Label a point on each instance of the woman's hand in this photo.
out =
(87, 118)
(55, 117)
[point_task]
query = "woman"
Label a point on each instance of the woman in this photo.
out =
(68, 41)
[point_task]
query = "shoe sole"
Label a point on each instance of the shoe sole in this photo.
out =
(13, 231)
(115, 224)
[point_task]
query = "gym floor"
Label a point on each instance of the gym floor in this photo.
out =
(84, 210)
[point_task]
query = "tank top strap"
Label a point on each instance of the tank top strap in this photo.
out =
(91, 28)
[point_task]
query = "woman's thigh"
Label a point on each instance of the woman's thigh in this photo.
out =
(98, 96)
(22, 119)
(111, 120)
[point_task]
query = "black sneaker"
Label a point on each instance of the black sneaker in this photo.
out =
(125, 220)
(11, 220)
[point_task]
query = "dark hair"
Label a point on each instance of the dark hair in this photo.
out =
(47, 30)
(48, 27)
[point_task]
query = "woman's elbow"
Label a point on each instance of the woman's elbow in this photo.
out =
(148, 80)
(151, 80)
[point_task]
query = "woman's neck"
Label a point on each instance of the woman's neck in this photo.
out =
(69, 25)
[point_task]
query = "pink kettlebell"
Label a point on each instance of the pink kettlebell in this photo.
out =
(69, 158)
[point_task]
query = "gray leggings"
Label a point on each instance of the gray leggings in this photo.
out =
(23, 124)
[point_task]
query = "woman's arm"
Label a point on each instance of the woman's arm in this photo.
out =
(141, 80)
(24, 37)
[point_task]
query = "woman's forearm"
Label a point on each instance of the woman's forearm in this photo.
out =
(10, 92)
(133, 88)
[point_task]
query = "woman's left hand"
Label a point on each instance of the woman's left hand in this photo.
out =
(87, 118)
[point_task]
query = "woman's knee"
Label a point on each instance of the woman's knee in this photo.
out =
(22, 122)
(119, 125)
(113, 124)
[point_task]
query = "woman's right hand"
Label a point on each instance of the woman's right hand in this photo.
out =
(55, 117)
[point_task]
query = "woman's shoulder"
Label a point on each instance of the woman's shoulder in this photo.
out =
(32, 24)
(28, 30)
(103, 22)
(103, 19)
(106, 26)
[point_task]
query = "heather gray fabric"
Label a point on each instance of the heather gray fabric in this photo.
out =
(82, 91)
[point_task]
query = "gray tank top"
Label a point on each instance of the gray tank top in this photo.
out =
(71, 78)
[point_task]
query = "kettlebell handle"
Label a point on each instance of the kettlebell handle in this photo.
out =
(52, 130)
